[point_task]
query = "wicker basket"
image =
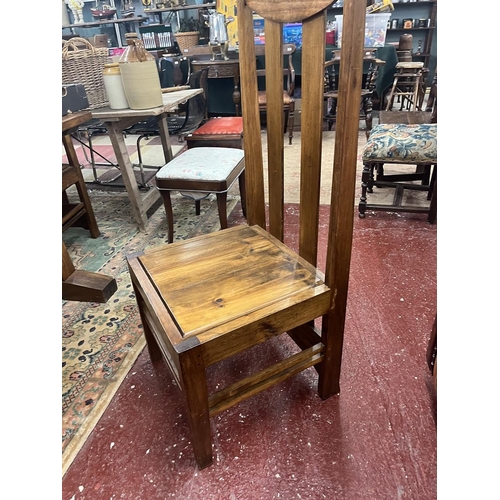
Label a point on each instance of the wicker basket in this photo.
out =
(187, 39)
(85, 66)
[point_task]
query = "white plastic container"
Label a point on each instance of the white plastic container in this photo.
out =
(375, 29)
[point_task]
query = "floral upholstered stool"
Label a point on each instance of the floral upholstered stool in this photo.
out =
(198, 172)
(402, 144)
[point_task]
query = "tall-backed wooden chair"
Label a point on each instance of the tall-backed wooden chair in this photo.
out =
(369, 80)
(206, 299)
(288, 86)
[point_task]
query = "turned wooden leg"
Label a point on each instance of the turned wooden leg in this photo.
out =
(291, 114)
(371, 178)
(167, 202)
(365, 178)
(380, 172)
(431, 218)
(368, 109)
(222, 206)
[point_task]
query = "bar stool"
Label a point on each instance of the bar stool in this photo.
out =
(407, 85)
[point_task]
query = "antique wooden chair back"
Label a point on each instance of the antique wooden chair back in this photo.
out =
(207, 299)
(370, 74)
(288, 88)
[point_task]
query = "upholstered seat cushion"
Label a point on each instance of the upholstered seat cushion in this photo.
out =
(197, 164)
(402, 143)
(225, 125)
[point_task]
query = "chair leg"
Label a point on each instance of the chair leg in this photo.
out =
(194, 382)
(291, 114)
(167, 202)
(243, 193)
(368, 109)
(365, 179)
(390, 99)
(432, 183)
(139, 157)
(431, 218)
(222, 206)
(329, 368)
(154, 350)
(197, 204)
(380, 174)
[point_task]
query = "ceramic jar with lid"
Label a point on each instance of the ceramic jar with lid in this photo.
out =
(139, 74)
(114, 86)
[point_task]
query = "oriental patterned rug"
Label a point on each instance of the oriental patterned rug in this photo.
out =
(100, 342)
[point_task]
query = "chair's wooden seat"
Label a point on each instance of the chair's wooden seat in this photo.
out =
(287, 98)
(334, 94)
(229, 281)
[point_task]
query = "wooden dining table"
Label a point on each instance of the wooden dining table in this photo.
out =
(116, 120)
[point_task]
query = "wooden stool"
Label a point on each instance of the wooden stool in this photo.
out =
(408, 84)
(198, 172)
(222, 132)
(406, 144)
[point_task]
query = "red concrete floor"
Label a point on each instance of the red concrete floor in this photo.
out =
(376, 440)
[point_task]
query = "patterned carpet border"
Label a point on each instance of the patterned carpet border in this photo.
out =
(100, 342)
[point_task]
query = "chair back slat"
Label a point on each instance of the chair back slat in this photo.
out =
(274, 125)
(254, 169)
(340, 231)
(313, 41)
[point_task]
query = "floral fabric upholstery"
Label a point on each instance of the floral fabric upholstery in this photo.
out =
(402, 143)
(214, 164)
